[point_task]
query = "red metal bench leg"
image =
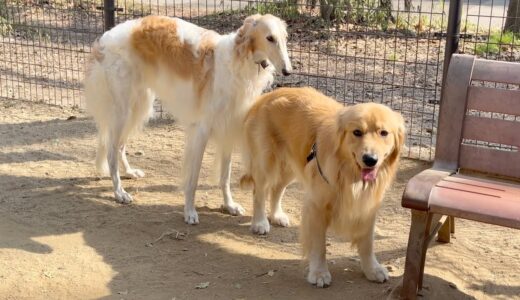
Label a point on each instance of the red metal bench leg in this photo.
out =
(416, 254)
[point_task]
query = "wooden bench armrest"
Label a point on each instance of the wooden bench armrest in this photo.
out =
(417, 192)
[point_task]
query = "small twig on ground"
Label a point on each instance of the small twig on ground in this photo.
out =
(177, 235)
(269, 273)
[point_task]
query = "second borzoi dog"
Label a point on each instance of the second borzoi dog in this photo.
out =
(205, 80)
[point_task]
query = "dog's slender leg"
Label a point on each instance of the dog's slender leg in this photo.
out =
(369, 264)
(196, 143)
(259, 224)
(277, 215)
(129, 171)
(113, 164)
(314, 229)
(225, 173)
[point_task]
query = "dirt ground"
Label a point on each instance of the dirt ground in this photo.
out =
(62, 236)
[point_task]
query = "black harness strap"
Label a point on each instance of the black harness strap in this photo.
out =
(313, 155)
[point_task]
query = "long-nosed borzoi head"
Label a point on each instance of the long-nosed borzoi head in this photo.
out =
(263, 38)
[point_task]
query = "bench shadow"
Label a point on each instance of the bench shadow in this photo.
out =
(221, 250)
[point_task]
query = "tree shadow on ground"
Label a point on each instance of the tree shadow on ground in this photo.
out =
(221, 250)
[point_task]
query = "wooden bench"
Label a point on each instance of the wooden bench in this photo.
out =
(478, 135)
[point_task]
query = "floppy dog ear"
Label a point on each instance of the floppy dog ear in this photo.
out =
(341, 124)
(399, 138)
(243, 41)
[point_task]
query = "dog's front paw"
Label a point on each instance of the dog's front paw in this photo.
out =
(135, 173)
(376, 272)
(123, 197)
(260, 227)
(321, 278)
(234, 209)
(191, 217)
(280, 219)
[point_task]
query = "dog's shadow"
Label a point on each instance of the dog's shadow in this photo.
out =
(155, 254)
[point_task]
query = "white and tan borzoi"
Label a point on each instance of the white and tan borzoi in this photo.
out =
(205, 80)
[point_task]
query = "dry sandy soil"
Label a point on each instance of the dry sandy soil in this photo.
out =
(62, 236)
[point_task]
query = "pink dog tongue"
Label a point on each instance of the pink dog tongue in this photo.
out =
(368, 174)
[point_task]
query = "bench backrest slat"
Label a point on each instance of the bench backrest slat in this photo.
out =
(492, 130)
(496, 71)
(494, 100)
(505, 163)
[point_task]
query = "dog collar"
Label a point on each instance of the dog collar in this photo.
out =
(313, 155)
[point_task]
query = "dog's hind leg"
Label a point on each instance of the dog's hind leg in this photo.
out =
(231, 206)
(128, 170)
(277, 216)
(114, 148)
(371, 267)
(260, 223)
(197, 138)
(140, 113)
(313, 233)
(101, 155)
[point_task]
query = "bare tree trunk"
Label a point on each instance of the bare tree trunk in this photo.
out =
(513, 17)
(327, 8)
(407, 5)
(386, 7)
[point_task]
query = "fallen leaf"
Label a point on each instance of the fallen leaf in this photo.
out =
(349, 281)
(270, 273)
(452, 285)
(202, 285)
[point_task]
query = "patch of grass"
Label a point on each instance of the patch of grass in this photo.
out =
(286, 9)
(498, 41)
(5, 27)
(392, 57)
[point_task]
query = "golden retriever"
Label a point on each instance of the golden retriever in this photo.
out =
(345, 158)
(207, 81)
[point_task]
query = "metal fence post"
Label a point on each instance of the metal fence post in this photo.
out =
(110, 14)
(452, 35)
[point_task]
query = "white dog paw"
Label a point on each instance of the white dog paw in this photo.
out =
(376, 273)
(191, 217)
(234, 209)
(123, 197)
(280, 219)
(260, 227)
(135, 173)
(321, 278)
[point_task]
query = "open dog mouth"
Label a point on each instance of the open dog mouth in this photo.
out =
(369, 174)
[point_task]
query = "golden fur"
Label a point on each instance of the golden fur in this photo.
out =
(280, 130)
(156, 41)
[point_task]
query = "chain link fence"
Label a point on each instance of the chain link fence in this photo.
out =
(387, 51)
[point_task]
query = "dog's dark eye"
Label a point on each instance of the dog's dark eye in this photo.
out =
(358, 132)
(270, 38)
(383, 133)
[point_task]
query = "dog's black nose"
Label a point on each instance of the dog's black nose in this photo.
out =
(285, 72)
(370, 160)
